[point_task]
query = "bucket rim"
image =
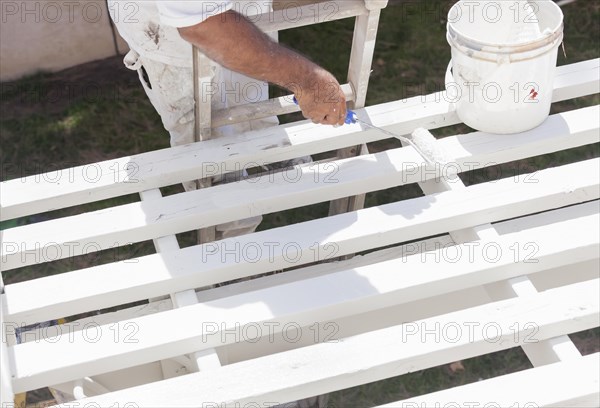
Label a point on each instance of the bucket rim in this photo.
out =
(543, 44)
(555, 33)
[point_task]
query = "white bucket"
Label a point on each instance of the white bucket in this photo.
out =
(503, 62)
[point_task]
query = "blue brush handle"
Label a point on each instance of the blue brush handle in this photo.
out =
(350, 115)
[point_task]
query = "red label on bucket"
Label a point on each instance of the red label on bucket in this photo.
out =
(533, 94)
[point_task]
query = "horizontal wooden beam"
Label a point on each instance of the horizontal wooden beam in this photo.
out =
(574, 383)
(6, 389)
(292, 16)
(376, 355)
(122, 225)
(320, 299)
(112, 178)
(264, 109)
(154, 275)
(312, 271)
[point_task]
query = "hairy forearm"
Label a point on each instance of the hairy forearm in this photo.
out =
(235, 43)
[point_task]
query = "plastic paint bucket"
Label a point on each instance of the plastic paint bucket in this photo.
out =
(503, 64)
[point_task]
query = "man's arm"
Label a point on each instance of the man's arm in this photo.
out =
(237, 44)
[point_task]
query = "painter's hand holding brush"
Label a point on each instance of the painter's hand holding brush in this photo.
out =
(321, 98)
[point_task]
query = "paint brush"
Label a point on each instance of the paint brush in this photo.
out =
(421, 139)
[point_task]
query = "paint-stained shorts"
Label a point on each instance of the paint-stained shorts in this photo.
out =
(170, 90)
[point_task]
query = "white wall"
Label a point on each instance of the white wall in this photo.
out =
(51, 35)
(48, 35)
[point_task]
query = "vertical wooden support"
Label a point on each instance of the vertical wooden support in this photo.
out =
(540, 353)
(361, 59)
(6, 392)
(202, 124)
(201, 360)
(544, 352)
(361, 56)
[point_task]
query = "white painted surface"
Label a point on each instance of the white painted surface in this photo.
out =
(138, 173)
(154, 275)
(203, 360)
(361, 295)
(51, 36)
(545, 352)
(318, 299)
(309, 184)
(326, 367)
(569, 384)
(309, 14)
(6, 391)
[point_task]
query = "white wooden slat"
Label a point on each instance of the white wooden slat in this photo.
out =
(118, 380)
(118, 226)
(444, 241)
(203, 360)
(376, 4)
(202, 78)
(202, 73)
(480, 146)
(263, 109)
(84, 184)
(327, 268)
(246, 286)
(107, 285)
(574, 80)
(546, 352)
(331, 329)
(136, 222)
(569, 384)
(545, 218)
(6, 390)
(292, 16)
(359, 72)
(333, 296)
(371, 223)
(505, 227)
(375, 355)
(550, 351)
(361, 57)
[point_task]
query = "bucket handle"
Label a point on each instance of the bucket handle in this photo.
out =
(449, 77)
(451, 95)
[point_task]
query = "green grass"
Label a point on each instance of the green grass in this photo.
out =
(99, 111)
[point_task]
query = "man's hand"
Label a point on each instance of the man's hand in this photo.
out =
(321, 98)
(237, 44)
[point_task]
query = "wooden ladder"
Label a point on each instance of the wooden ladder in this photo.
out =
(366, 12)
